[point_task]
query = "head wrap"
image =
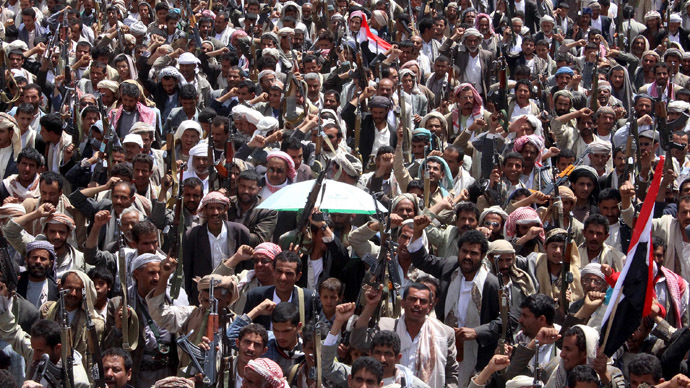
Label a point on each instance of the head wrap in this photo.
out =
(478, 102)
(493, 210)
(41, 244)
(10, 123)
(566, 193)
(586, 11)
(593, 269)
(286, 31)
(533, 139)
(599, 147)
(423, 132)
(144, 259)
(357, 14)
(652, 15)
(349, 163)
(213, 197)
(113, 86)
(174, 382)
(141, 127)
(253, 116)
(269, 371)
(267, 124)
(142, 96)
(188, 59)
(435, 115)
(380, 102)
(555, 232)
(499, 247)
(199, 150)
(483, 15)
(522, 216)
(171, 72)
(546, 19)
(271, 52)
(188, 124)
(410, 197)
(678, 106)
(220, 281)
(8, 210)
(138, 28)
(264, 73)
(134, 138)
(594, 5)
(291, 173)
(446, 182)
(60, 218)
(472, 32)
(268, 249)
(380, 17)
(587, 171)
(520, 382)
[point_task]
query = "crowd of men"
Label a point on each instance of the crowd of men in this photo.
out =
(510, 146)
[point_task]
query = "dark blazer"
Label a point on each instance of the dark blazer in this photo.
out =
(23, 285)
(259, 294)
(11, 167)
(461, 60)
(367, 130)
(196, 253)
(334, 261)
(490, 329)
(531, 14)
(260, 222)
(158, 94)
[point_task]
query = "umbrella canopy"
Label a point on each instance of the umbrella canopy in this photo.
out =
(338, 198)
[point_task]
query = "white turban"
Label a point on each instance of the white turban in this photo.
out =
(520, 381)
(188, 59)
(144, 259)
(200, 150)
(188, 124)
(253, 116)
(134, 138)
(141, 127)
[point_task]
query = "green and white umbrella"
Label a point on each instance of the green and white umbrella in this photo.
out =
(338, 197)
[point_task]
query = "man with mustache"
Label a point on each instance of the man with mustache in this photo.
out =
(474, 63)
(261, 223)
(462, 279)
(446, 239)
(117, 368)
(57, 228)
(208, 245)
(514, 272)
(37, 284)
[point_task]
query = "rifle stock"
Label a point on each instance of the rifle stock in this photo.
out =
(176, 247)
(66, 353)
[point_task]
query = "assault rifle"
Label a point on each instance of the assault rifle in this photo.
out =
(94, 347)
(67, 353)
(566, 275)
(176, 246)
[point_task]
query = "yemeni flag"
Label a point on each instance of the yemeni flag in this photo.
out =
(635, 287)
(376, 44)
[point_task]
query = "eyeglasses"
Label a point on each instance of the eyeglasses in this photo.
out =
(596, 281)
(493, 224)
(262, 261)
(276, 170)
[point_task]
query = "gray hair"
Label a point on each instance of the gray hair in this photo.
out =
(132, 209)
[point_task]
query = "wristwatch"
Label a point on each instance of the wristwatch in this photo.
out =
(324, 227)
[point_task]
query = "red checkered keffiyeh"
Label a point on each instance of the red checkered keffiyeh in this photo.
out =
(521, 216)
(270, 371)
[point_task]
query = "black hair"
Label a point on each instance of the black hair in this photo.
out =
(48, 330)
(540, 304)
(474, 237)
(369, 364)
(26, 108)
(285, 312)
(428, 279)
(192, 183)
(122, 169)
(143, 158)
(646, 364)
(51, 176)
(32, 155)
(249, 175)
(513, 155)
(416, 286)
(141, 228)
(123, 354)
(415, 184)
(458, 150)
(254, 328)
(580, 341)
(386, 338)
(467, 207)
(609, 193)
(129, 185)
(52, 123)
(221, 120)
(129, 90)
(291, 143)
(187, 92)
(583, 374)
(289, 257)
(102, 273)
(659, 242)
(597, 219)
(425, 24)
(385, 150)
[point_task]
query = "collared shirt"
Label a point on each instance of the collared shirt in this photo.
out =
(382, 137)
(313, 273)
(473, 72)
(219, 246)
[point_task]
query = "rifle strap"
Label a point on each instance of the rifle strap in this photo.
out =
(300, 300)
(293, 372)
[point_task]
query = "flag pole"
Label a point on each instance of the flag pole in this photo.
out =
(610, 322)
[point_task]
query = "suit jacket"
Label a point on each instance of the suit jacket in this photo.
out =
(531, 14)
(490, 322)
(25, 312)
(367, 131)
(485, 58)
(197, 257)
(260, 222)
(258, 295)
(334, 261)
